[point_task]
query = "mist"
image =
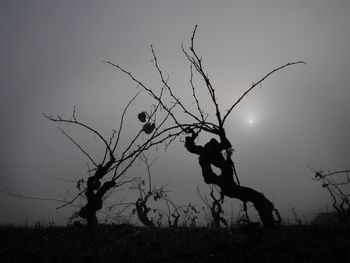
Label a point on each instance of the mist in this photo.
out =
(52, 54)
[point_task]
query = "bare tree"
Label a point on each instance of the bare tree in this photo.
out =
(190, 215)
(196, 119)
(337, 185)
(214, 205)
(109, 172)
(145, 192)
(173, 213)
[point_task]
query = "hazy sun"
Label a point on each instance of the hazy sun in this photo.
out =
(251, 119)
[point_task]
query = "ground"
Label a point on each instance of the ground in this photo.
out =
(125, 243)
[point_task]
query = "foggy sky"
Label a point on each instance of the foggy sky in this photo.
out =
(51, 61)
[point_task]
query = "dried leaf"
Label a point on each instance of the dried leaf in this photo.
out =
(148, 127)
(142, 116)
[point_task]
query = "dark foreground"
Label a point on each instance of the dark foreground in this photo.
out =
(132, 244)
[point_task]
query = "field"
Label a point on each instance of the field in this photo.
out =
(125, 243)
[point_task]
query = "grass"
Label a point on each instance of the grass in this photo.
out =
(125, 243)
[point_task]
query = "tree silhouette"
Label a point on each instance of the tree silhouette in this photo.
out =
(173, 214)
(193, 120)
(109, 172)
(336, 183)
(145, 192)
(214, 205)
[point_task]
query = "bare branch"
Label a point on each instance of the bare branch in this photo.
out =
(122, 120)
(76, 144)
(59, 119)
(165, 82)
(71, 201)
(64, 180)
(145, 159)
(150, 91)
(337, 190)
(194, 95)
(31, 197)
(258, 83)
(196, 61)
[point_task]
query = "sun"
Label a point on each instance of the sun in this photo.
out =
(251, 119)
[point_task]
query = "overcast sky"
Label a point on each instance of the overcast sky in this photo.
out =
(51, 61)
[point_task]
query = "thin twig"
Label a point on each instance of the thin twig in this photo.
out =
(32, 197)
(77, 145)
(122, 120)
(258, 83)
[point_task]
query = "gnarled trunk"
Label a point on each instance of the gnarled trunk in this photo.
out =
(264, 207)
(142, 212)
(211, 154)
(89, 211)
(229, 188)
(89, 215)
(94, 193)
